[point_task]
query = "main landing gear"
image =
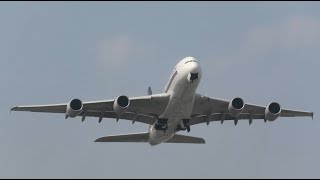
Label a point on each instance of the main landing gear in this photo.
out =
(184, 125)
(161, 124)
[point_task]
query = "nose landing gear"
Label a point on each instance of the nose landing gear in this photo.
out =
(192, 77)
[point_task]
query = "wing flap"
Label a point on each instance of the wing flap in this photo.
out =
(130, 116)
(218, 117)
(246, 116)
(53, 108)
(294, 113)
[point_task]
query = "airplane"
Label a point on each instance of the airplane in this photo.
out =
(176, 109)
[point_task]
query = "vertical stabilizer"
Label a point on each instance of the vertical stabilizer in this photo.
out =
(149, 91)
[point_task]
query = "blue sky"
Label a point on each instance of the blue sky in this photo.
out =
(51, 52)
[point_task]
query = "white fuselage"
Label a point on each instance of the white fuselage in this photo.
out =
(182, 87)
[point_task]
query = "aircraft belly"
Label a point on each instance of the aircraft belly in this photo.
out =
(181, 102)
(157, 137)
(179, 107)
(176, 111)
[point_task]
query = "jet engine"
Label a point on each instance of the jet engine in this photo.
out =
(121, 104)
(74, 108)
(272, 111)
(236, 107)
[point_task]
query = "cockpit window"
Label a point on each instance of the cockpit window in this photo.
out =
(190, 61)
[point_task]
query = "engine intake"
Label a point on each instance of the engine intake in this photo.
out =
(236, 107)
(74, 108)
(121, 104)
(272, 111)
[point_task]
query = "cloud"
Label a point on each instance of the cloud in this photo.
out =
(119, 51)
(293, 33)
(289, 35)
(114, 52)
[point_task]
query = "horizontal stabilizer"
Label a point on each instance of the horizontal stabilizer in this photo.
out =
(138, 137)
(144, 137)
(186, 139)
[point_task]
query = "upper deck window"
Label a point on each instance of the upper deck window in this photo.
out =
(169, 84)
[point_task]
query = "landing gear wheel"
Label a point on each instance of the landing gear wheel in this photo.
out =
(165, 129)
(188, 128)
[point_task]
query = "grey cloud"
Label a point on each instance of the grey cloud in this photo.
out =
(291, 34)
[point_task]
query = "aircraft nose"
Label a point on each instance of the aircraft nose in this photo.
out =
(194, 71)
(194, 67)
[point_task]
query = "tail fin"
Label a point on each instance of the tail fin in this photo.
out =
(149, 91)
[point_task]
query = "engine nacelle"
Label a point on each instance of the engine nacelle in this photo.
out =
(236, 107)
(74, 108)
(121, 104)
(272, 111)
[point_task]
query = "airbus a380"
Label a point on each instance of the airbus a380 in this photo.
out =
(176, 109)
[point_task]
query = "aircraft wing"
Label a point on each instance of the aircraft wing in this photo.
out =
(142, 109)
(207, 109)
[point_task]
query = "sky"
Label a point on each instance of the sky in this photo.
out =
(52, 52)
